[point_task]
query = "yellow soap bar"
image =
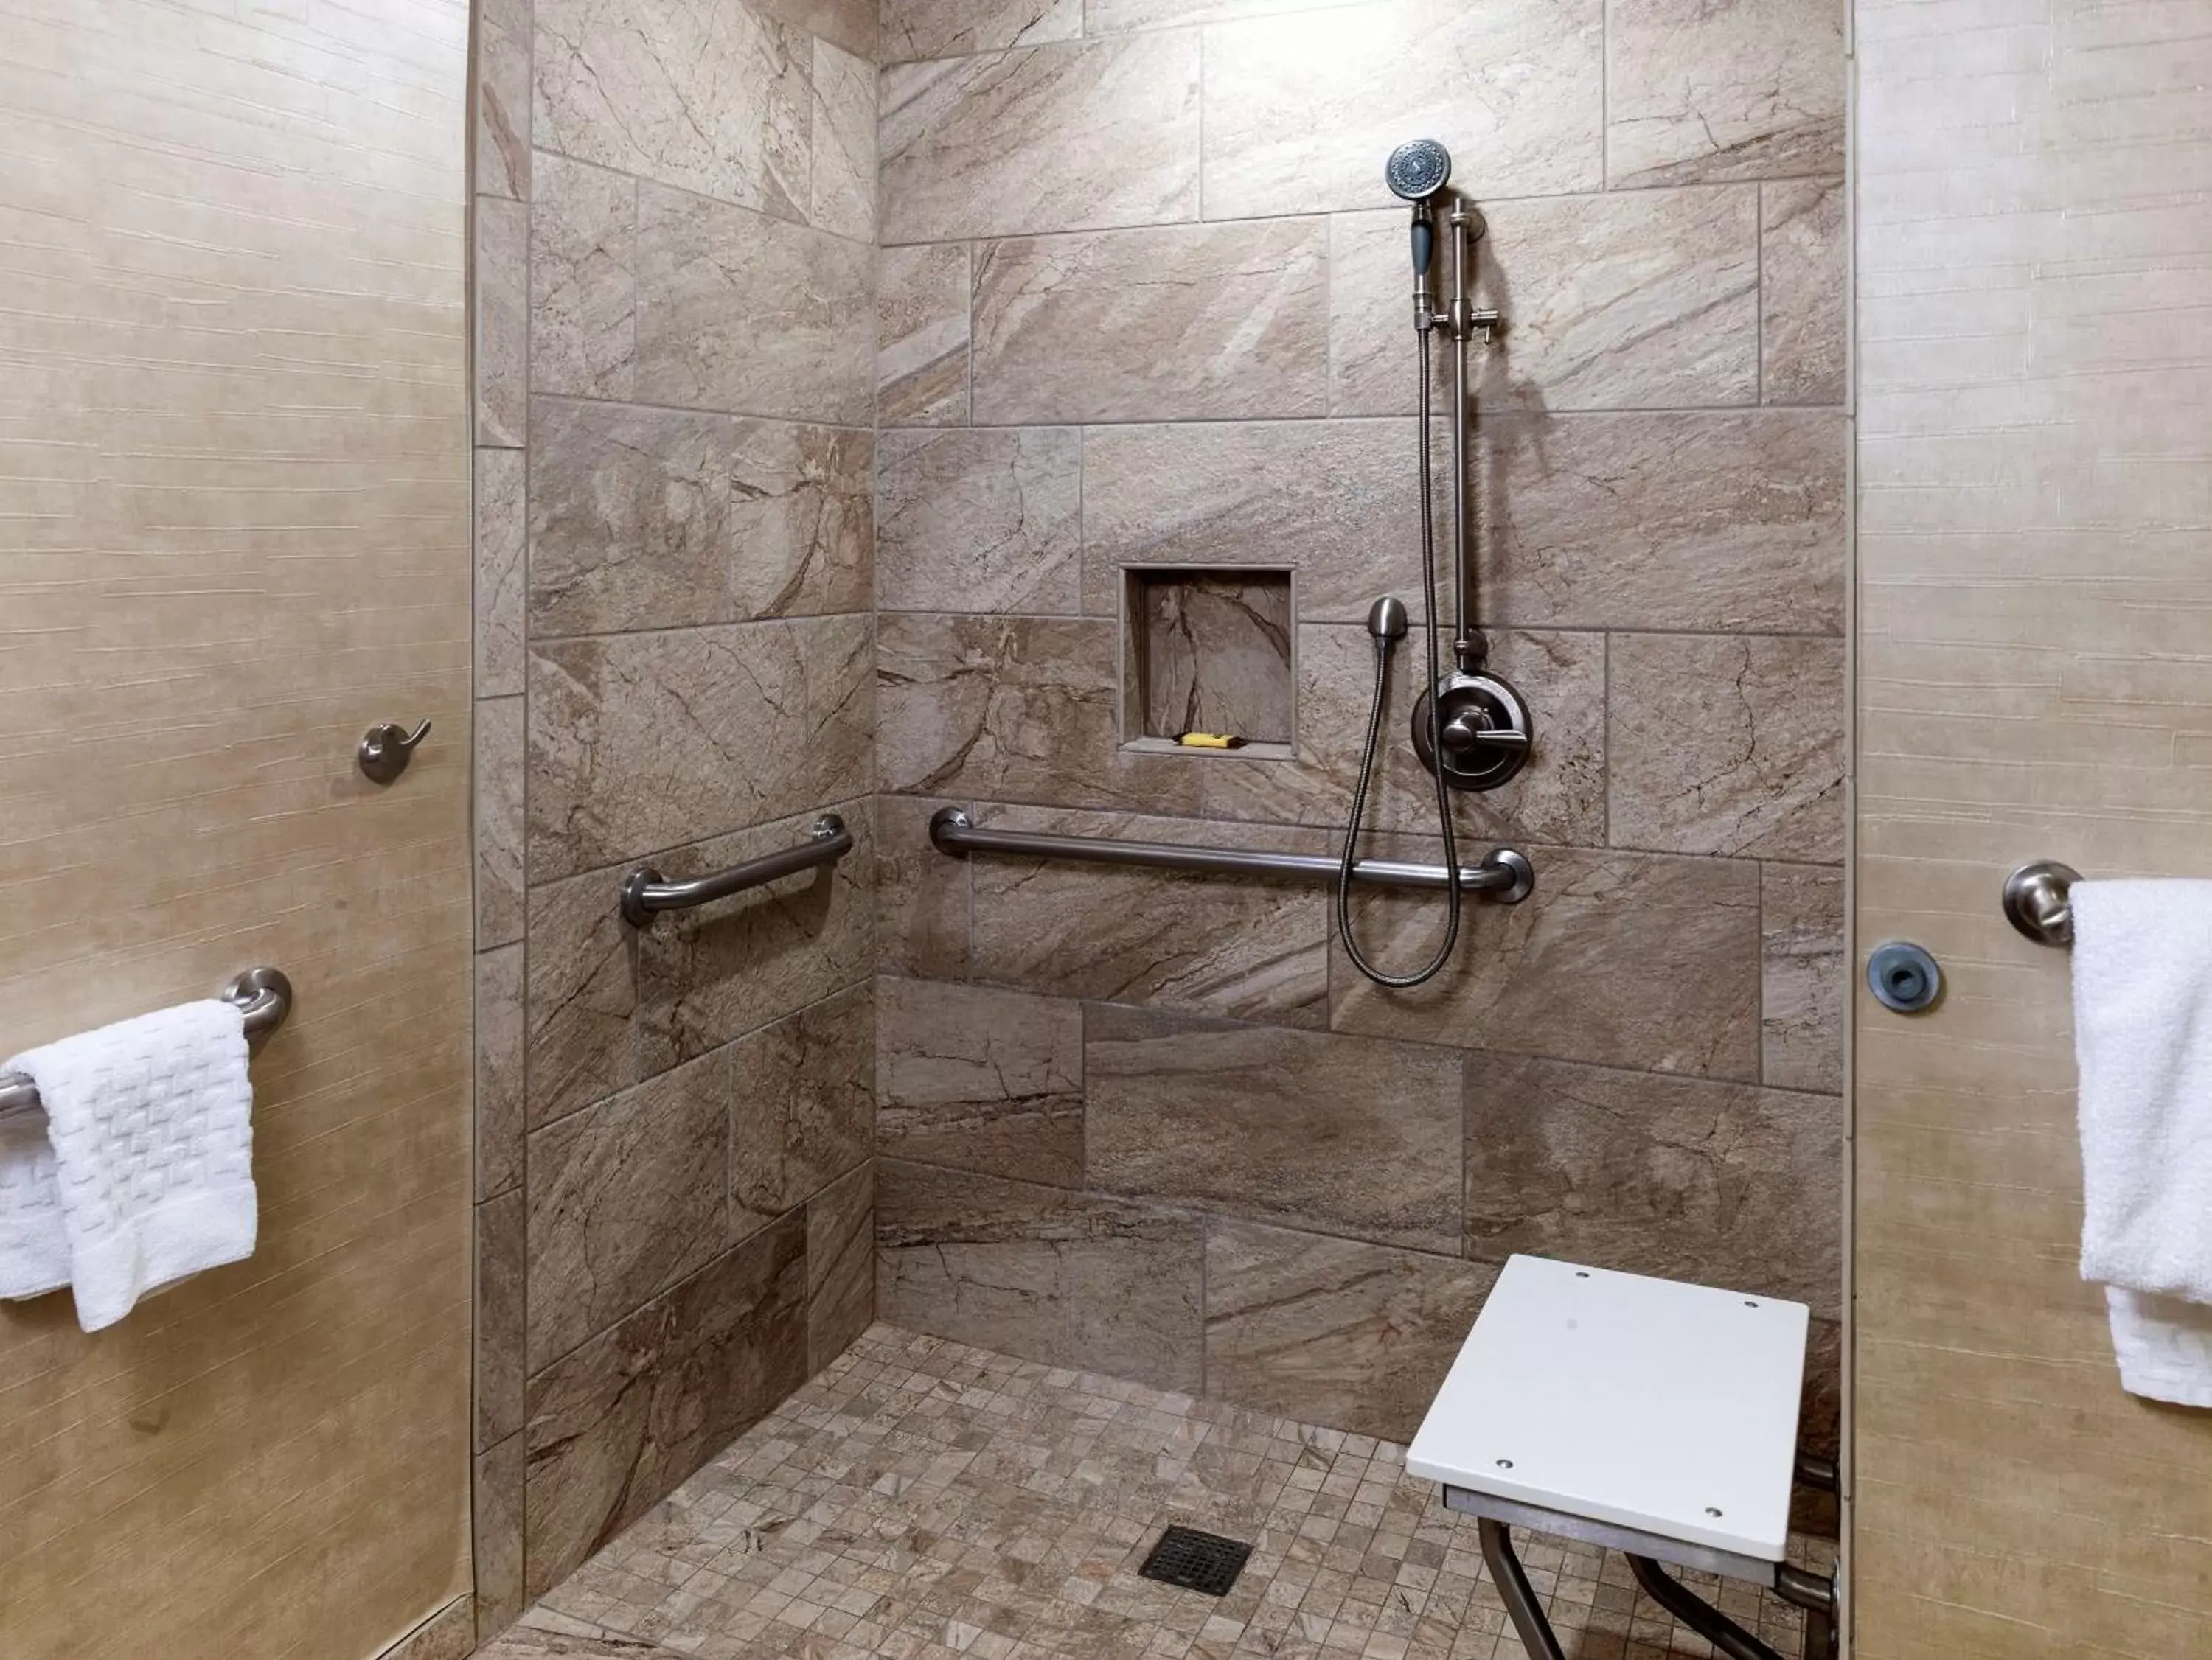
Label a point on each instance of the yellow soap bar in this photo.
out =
(1210, 740)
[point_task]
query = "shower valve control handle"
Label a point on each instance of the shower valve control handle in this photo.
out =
(1464, 733)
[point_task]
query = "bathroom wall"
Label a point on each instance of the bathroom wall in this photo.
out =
(2035, 250)
(674, 662)
(1144, 301)
(234, 524)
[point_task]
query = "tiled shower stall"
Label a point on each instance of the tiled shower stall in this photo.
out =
(876, 414)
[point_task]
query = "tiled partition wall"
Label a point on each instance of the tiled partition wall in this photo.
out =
(1144, 300)
(674, 661)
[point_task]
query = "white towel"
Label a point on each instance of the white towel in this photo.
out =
(140, 1172)
(2143, 1036)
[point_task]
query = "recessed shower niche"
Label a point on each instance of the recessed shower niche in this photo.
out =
(1209, 650)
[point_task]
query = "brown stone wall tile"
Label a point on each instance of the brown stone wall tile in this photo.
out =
(500, 760)
(502, 99)
(501, 1112)
(1806, 978)
(1805, 289)
(802, 1105)
(921, 895)
(497, 1515)
(502, 1262)
(583, 281)
(501, 527)
(921, 336)
(986, 520)
(501, 300)
(1743, 89)
(980, 1079)
(841, 1265)
(844, 144)
(916, 29)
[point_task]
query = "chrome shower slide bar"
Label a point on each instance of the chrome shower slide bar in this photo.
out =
(1504, 877)
(645, 894)
(263, 997)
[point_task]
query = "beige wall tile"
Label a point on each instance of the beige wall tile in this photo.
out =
(583, 281)
(1805, 289)
(914, 29)
(1059, 1277)
(1177, 323)
(499, 267)
(802, 1105)
(1309, 1130)
(499, 827)
(1621, 959)
(1717, 523)
(1805, 978)
(1744, 89)
(1302, 111)
(986, 520)
(745, 314)
(501, 528)
(1334, 1332)
(1683, 1179)
(654, 518)
(841, 1265)
(844, 144)
(502, 99)
(639, 741)
(980, 1079)
(500, 1109)
(1726, 745)
(921, 336)
(711, 100)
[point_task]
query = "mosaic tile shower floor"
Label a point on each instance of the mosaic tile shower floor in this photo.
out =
(923, 1499)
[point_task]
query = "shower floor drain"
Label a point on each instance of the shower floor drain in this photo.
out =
(1196, 1561)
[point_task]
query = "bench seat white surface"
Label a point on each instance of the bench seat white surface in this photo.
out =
(1668, 1408)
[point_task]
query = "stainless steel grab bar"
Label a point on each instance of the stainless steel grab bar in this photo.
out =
(263, 997)
(645, 894)
(1504, 877)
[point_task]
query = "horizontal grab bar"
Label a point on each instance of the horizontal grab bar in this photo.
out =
(263, 997)
(1505, 877)
(645, 894)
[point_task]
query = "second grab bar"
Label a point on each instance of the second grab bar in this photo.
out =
(645, 894)
(1504, 877)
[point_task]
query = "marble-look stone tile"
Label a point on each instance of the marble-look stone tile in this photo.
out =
(1684, 1179)
(616, 1424)
(1301, 110)
(979, 520)
(626, 1198)
(1334, 1332)
(502, 99)
(1721, 89)
(709, 98)
(1727, 745)
(656, 519)
(841, 1265)
(502, 1270)
(921, 336)
(1715, 523)
(802, 1105)
(1071, 136)
(921, 895)
(501, 528)
(1334, 500)
(448, 1634)
(1250, 950)
(1337, 1134)
(1064, 1278)
(500, 264)
(583, 281)
(1177, 323)
(499, 828)
(1013, 708)
(852, 24)
(501, 1113)
(1619, 959)
(639, 741)
(844, 144)
(609, 1005)
(917, 29)
(1805, 977)
(1211, 652)
(745, 313)
(1116, 16)
(1805, 290)
(980, 1079)
(1647, 299)
(496, 1515)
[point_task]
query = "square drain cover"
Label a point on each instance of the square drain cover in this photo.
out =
(1196, 1561)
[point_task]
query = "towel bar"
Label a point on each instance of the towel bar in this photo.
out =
(263, 997)
(1504, 877)
(2038, 901)
(644, 893)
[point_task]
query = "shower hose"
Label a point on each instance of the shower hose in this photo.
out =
(1368, 753)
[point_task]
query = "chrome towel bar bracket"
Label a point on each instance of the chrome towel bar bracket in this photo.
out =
(263, 997)
(1504, 877)
(2038, 900)
(645, 894)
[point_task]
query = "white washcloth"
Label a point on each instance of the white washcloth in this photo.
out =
(141, 1170)
(2142, 1038)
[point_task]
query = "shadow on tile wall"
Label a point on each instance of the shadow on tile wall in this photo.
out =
(1143, 301)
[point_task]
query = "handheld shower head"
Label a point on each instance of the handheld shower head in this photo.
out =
(1417, 171)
